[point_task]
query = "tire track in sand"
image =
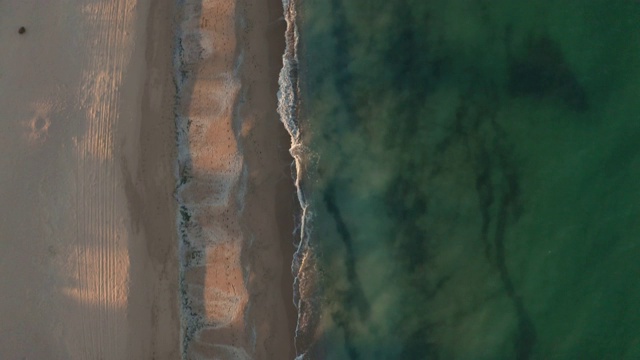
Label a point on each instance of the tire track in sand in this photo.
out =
(101, 262)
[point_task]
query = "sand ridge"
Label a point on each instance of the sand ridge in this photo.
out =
(213, 290)
(230, 176)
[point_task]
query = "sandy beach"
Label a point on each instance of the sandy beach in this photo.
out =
(98, 261)
(235, 191)
(88, 256)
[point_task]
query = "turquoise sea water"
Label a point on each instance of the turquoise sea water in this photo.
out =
(470, 172)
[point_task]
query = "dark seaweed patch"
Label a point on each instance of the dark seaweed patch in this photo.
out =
(542, 72)
(353, 297)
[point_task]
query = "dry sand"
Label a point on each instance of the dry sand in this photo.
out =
(88, 252)
(236, 193)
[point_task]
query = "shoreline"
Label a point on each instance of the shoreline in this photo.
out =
(269, 140)
(306, 283)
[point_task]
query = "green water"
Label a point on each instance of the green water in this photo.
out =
(475, 177)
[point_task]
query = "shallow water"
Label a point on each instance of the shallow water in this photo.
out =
(471, 169)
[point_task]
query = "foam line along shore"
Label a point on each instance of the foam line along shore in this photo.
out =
(306, 292)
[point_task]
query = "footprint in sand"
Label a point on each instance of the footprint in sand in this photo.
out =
(38, 125)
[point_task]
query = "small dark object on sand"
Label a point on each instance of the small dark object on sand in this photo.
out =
(22, 30)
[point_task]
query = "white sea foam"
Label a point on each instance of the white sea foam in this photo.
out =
(303, 265)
